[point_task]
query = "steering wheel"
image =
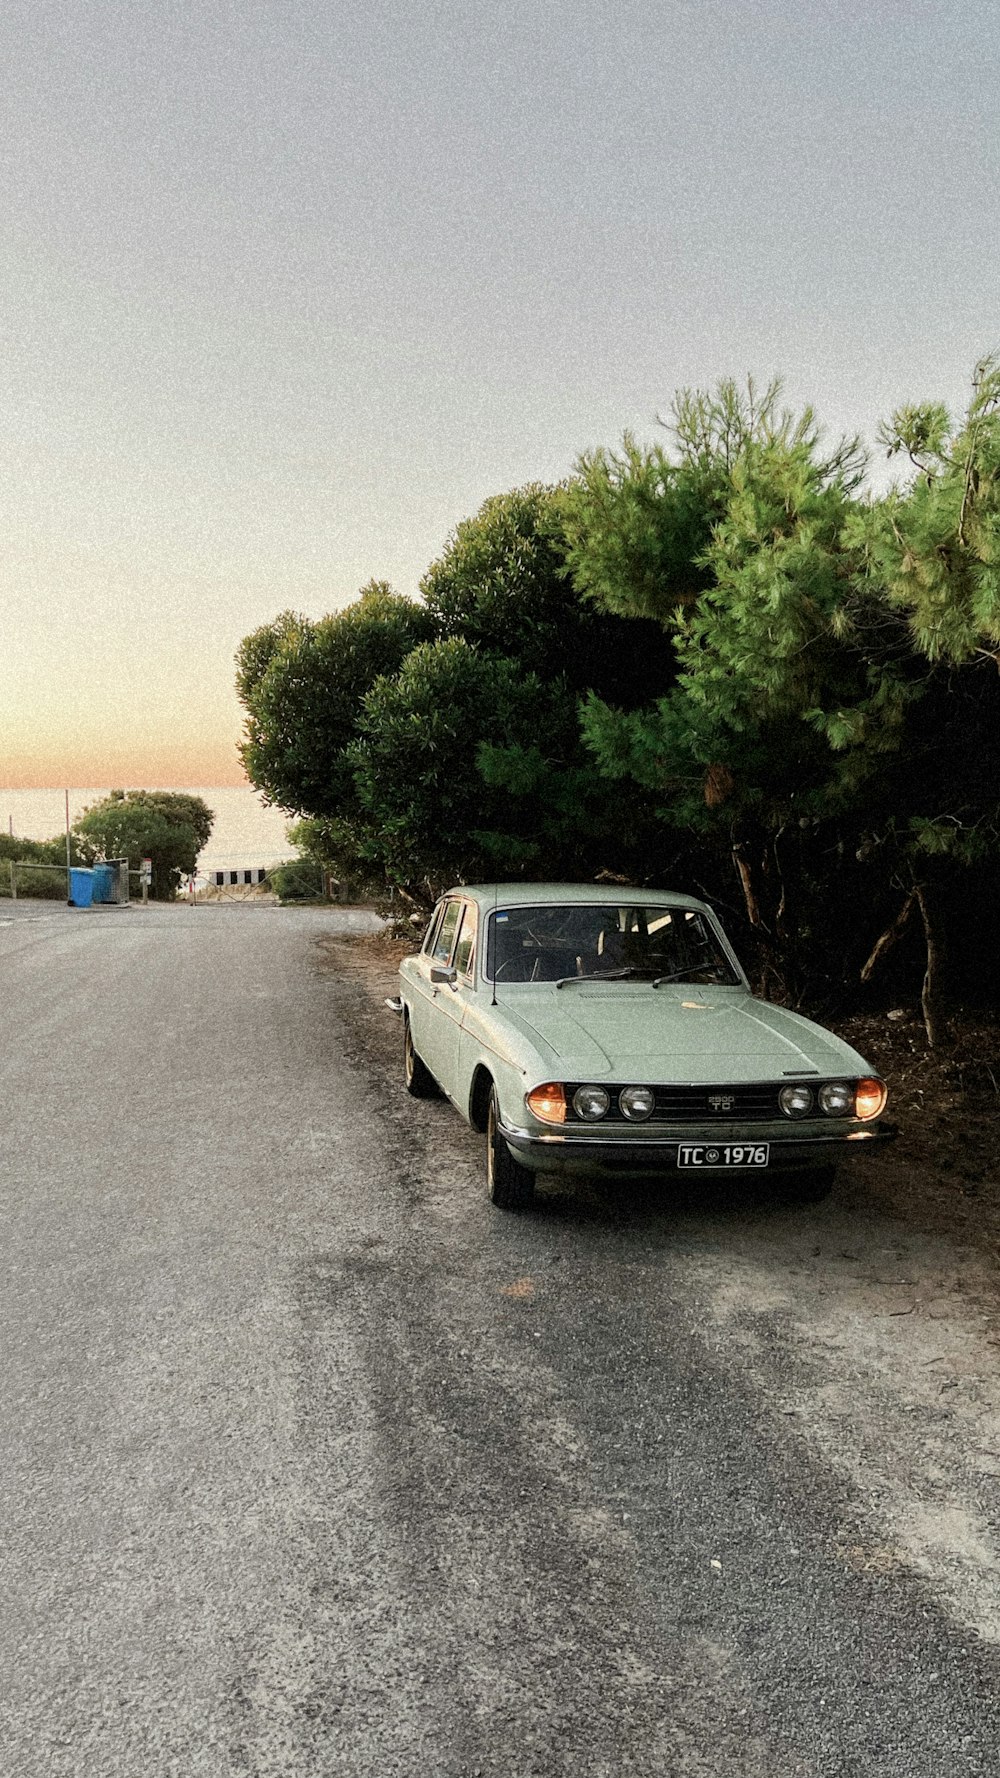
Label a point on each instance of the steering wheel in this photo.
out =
(501, 968)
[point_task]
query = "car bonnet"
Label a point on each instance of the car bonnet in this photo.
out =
(636, 1032)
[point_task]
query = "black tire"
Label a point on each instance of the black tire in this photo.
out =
(510, 1186)
(811, 1187)
(418, 1079)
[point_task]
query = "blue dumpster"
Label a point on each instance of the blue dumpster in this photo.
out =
(104, 882)
(81, 888)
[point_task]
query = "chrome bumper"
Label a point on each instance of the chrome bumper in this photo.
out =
(569, 1151)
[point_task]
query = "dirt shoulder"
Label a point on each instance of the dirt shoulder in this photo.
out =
(943, 1173)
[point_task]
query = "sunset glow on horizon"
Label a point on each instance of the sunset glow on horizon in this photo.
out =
(117, 738)
(169, 769)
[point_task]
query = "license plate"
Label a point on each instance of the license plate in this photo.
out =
(726, 1154)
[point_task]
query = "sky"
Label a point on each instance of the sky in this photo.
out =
(289, 287)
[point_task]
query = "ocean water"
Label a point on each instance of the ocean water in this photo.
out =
(245, 836)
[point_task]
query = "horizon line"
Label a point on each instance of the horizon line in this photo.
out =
(112, 784)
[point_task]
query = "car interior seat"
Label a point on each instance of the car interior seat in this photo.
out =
(610, 949)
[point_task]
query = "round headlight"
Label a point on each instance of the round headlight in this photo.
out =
(795, 1101)
(636, 1102)
(591, 1103)
(836, 1098)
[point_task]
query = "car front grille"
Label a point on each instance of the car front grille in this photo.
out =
(757, 1103)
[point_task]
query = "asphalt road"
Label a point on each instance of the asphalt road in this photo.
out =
(314, 1464)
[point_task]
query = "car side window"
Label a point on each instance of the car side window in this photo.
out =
(445, 938)
(466, 947)
(431, 932)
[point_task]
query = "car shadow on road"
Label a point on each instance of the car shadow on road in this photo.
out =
(661, 1197)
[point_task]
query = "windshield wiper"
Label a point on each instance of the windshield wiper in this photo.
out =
(675, 975)
(601, 975)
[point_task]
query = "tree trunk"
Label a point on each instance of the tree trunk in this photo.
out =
(889, 936)
(930, 998)
(770, 972)
(746, 883)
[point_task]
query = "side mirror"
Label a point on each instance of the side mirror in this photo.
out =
(444, 977)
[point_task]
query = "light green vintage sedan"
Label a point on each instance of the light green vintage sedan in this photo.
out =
(612, 1030)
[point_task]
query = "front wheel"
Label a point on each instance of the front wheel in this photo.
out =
(511, 1186)
(417, 1078)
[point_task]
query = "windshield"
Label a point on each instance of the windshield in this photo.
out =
(550, 944)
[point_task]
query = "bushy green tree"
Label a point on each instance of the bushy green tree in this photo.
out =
(168, 827)
(935, 543)
(459, 768)
(334, 848)
(734, 746)
(810, 723)
(502, 584)
(302, 685)
(638, 522)
(500, 588)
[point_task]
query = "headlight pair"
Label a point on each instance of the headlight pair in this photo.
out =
(635, 1103)
(835, 1098)
(590, 1103)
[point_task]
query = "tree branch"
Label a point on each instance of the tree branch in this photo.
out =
(889, 936)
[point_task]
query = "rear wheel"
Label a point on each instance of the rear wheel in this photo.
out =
(511, 1186)
(418, 1079)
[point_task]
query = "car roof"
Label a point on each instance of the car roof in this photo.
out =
(508, 895)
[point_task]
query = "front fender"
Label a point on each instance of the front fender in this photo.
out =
(486, 1065)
